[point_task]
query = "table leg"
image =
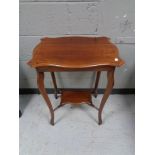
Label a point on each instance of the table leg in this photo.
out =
(96, 83)
(55, 84)
(40, 82)
(110, 78)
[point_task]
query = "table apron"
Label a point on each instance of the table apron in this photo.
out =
(60, 69)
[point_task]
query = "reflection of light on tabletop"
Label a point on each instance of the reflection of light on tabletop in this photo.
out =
(116, 59)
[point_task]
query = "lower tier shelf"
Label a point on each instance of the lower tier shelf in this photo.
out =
(76, 97)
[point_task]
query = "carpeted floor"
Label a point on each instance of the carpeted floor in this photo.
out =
(76, 131)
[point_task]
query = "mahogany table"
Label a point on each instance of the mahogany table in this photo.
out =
(75, 54)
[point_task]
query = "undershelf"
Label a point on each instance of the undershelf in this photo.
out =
(76, 97)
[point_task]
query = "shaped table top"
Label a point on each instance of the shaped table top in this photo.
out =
(75, 52)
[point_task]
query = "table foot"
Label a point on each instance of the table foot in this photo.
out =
(52, 122)
(100, 122)
(99, 119)
(95, 94)
(56, 96)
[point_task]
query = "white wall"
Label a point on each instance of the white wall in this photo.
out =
(112, 18)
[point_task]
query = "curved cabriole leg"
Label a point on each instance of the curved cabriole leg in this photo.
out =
(110, 79)
(55, 84)
(40, 82)
(96, 83)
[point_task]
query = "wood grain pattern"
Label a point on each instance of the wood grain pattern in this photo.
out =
(76, 97)
(75, 54)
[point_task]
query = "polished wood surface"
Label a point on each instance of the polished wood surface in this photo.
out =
(75, 54)
(76, 97)
(110, 84)
(40, 82)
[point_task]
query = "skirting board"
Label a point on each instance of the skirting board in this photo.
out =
(24, 91)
